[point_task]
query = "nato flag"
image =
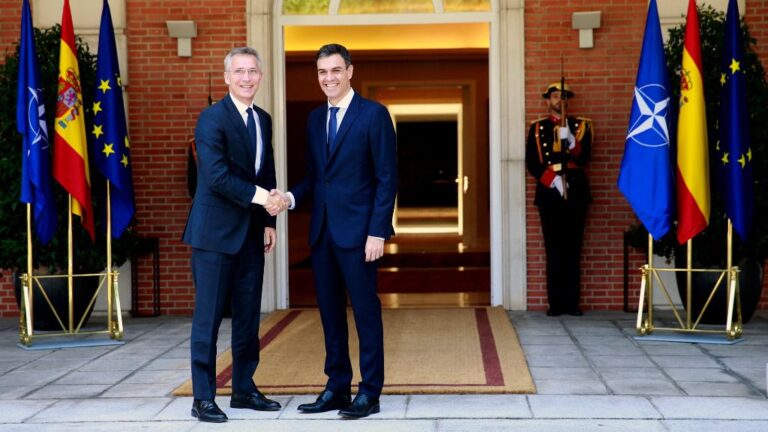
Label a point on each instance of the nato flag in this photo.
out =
(646, 178)
(111, 146)
(734, 150)
(30, 122)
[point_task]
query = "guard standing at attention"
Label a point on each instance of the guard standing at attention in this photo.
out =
(556, 152)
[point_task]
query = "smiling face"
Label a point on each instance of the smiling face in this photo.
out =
(243, 77)
(334, 77)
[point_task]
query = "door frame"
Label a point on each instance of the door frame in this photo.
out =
(506, 66)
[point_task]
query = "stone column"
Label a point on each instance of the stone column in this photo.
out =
(510, 181)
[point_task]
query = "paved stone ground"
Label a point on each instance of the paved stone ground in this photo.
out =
(590, 373)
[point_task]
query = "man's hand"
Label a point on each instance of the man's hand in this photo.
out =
(276, 202)
(374, 249)
(565, 134)
(270, 239)
(557, 183)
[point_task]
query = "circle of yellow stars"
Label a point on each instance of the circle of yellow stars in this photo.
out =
(98, 130)
(744, 158)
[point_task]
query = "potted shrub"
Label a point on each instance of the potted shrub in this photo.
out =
(709, 247)
(89, 257)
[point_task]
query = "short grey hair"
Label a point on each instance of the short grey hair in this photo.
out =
(242, 51)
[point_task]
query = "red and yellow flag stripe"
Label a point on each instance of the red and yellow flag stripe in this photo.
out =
(693, 203)
(70, 148)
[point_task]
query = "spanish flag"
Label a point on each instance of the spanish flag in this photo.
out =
(692, 152)
(70, 149)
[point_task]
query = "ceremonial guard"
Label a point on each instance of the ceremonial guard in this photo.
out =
(556, 153)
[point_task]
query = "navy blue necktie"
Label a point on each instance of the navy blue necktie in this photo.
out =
(251, 129)
(332, 128)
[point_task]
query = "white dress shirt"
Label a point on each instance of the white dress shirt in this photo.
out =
(260, 197)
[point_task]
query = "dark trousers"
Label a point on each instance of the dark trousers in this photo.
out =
(338, 272)
(562, 223)
(215, 275)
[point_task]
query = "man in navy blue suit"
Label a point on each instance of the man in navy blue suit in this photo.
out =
(230, 231)
(352, 175)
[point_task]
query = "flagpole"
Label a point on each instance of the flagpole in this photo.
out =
(27, 283)
(70, 266)
(110, 278)
(732, 278)
(650, 278)
(688, 282)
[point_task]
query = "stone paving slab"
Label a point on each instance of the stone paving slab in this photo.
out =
(715, 425)
(570, 387)
(104, 427)
(468, 406)
(712, 408)
(550, 425)
(18, 411)
(123, 390)
(564, 373)
(281, 425)
(101, 410)
(642, 386)
(68, 391)
(93, 377)
(588, 406)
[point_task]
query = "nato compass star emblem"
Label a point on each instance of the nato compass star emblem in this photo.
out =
(36, 118)
(648, 124)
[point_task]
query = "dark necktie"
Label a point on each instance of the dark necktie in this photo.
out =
(251, 129)
(332, 128)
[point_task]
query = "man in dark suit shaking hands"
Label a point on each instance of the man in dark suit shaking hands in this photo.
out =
(230, 231)
(352, 175)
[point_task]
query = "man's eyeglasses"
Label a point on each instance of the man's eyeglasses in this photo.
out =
(244, 72)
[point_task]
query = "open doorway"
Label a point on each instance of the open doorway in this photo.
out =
(439, 102)
(430, 192)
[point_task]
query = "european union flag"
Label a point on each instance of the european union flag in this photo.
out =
(646, 178)
(30, 122)
(734, 149)
(111, 146)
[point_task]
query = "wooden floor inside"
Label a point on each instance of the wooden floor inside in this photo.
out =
(417, 270)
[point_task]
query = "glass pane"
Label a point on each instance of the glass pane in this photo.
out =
(305, 7)
(467, 5)
(385, 6)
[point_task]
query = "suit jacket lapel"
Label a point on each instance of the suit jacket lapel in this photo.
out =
(265, 138)
(349, 119)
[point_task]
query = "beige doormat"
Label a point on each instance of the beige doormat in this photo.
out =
(426, 351)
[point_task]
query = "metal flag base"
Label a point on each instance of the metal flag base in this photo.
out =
(713, 339)
(687, 325)
(69, 343)
(70, 326)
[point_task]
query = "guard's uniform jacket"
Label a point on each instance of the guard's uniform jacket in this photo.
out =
(562, 220)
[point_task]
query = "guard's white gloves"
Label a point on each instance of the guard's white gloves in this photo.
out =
(565, 134)
(557, 183)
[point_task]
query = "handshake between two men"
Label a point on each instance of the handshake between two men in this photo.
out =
(277, 202)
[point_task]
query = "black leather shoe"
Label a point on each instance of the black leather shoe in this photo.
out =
(575, 312)
(206, 410)
(255, 401)
(362, 406)
(327, 401)
(552, 312)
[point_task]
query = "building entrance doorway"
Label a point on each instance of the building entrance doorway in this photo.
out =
(430, 192)
(438, 100)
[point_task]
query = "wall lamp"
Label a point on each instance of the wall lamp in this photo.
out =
(184, 31)
(585, 22)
